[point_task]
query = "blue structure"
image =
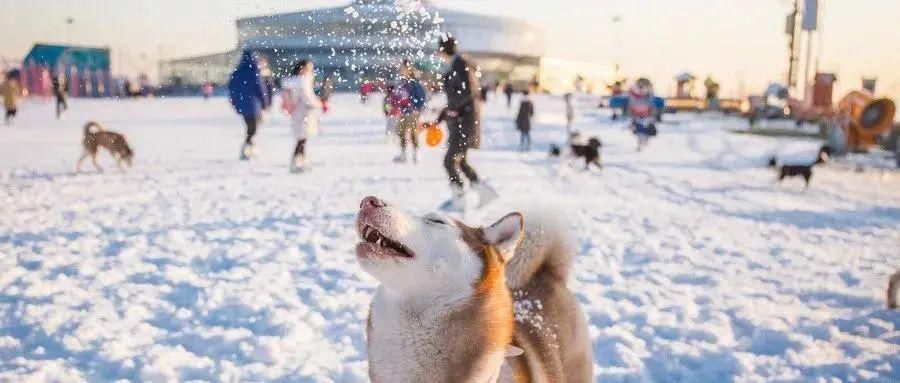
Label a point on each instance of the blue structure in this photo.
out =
(87, 70)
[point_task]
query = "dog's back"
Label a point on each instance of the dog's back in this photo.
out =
(550, 325)
(96, 137)
(805, 171)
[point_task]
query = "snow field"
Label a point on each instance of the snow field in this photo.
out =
(693, 266)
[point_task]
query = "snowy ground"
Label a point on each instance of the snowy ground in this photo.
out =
(692, 264)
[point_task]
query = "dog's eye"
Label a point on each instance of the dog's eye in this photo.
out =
(435, 219)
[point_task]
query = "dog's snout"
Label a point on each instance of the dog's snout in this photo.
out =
(371, 202)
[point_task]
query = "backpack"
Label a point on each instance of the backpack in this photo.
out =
(417, 94)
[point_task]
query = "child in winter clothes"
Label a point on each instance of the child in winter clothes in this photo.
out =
(641, 109)
(409, 100)
(523, 121)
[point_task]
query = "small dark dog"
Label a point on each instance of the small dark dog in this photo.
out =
(95, 138)
(589, 151)
(805, 171)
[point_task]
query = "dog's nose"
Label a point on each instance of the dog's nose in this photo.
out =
(370, 201)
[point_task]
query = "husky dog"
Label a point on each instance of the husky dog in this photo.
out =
(95, 138)
(893, 285)
(464, 304)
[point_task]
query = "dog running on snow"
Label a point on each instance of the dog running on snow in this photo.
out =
(95, 138)
(464, 304)
(805, 171)
(578, 149)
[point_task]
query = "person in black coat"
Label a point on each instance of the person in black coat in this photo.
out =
(509, 90)
(59, 91)
(463, 118)
(523, 121)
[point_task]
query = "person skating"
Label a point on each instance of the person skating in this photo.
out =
(59, 91)
(250, 97)
(462, 115)
(523, 121)
(409, 100)
(303, 106)
(10, 90)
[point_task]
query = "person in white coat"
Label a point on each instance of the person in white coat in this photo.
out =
(301, 102)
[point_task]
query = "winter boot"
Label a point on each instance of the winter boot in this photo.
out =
(401, 158)
(296, 166)
(457, 203)
(486, 194)
(245, 150)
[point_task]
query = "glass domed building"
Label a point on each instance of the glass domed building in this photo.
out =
(366, 39)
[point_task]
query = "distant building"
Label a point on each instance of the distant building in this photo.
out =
(366, 39)
(198, 70)
(86, 69)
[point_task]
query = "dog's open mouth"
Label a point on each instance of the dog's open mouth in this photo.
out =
(380, 243)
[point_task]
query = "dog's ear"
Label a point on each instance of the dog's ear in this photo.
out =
(506, 234)
(513, 351)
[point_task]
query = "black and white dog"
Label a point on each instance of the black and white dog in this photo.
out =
(805, 171)
(578, 149)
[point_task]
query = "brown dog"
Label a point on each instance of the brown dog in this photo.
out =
(95, 138)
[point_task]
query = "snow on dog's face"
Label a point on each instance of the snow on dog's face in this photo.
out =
(431, 253)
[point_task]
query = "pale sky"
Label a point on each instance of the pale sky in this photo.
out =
(735, 41)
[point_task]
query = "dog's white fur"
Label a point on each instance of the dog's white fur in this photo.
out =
(411, 306)
(415, 319)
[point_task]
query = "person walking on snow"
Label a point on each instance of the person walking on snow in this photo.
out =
(59, 91)
(523, 121)
(509, 90)
(10, 92)
(570, 112)
(462, 115)
(301, 103)
(641, 109)
(325, 93)
(409, 100)
(250, 97)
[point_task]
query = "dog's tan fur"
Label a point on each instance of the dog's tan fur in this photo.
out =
(95, 138)
(554, 338)
(513, 321)
(481, 326)
(893, 286)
